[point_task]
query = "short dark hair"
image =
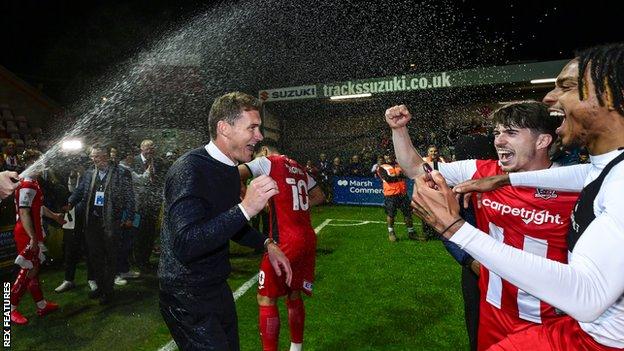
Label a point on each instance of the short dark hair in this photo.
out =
(607, 72)
(228, 108)
(99, 146)
(529, 114)
(268, 143)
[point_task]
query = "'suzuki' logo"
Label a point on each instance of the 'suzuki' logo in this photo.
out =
(527, 216)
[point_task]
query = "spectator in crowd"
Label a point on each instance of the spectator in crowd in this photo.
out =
(336, 169)
(11, 161)
(433, 157)
(324, 167)
(114, 155)
(380, 161)
(149, 202)
(312, 170)
(104, 194)
(129, 233)
(203, 212)
(395, 196)
(74, 244)
(29, 236)
(356, 168)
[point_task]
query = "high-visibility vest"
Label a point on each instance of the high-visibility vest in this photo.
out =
(394, 188)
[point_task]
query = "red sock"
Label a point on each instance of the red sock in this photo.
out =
(35, 289)
(19, 287)
(269, 327)
(296, 319)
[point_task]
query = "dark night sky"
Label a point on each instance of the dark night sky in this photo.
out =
(61, 44)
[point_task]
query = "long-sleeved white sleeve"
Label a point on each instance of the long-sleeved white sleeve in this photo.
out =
(458, 171)
(587, 286)
(568, 178)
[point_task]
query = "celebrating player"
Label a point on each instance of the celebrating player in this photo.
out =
(523, 134)
(29, 235)
(291, 228)
(590, 288)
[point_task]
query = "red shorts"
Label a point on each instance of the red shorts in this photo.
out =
(302, 261)
(495, 325)
(561, 334)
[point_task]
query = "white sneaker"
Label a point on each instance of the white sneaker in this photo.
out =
(65, 286)
(120, 281)
(130, 275)
(92, 285)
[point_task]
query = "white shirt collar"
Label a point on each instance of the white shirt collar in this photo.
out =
(143, 158)
(602, 160)
(218, 155)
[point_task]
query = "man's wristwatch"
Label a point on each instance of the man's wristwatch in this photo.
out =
(267, 242)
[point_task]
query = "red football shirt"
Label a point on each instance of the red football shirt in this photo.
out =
(28, 195)
(290, 209)
(530, 219)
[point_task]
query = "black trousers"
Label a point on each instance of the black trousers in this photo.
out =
(144, 242)
(471, 294)
(203, 320)
(75, 247)
(102, 254)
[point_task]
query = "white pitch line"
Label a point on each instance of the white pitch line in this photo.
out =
(171, 345)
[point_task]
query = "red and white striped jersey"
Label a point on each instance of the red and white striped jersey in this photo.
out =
(530, 219)
(290, 209)
(29, 195)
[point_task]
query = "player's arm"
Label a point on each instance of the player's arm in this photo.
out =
(568, 178)
(25, 214)
(57, 217)
(25, 199)
(411, 162)
(316, 195)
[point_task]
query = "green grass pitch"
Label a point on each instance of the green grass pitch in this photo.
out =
(369, 294)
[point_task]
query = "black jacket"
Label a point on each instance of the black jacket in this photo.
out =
(118, 193)
(201, 216)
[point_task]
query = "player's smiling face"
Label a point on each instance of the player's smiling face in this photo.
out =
(243, 136)
(516, 147)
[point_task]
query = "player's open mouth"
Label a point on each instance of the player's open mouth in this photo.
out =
(559, 114)
(505, 155)
(251, 147)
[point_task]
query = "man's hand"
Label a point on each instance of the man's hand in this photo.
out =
(482, 185)
(58, 218)
(67, 208)
(439, 208)
(258, 193)
(398, 116)
(126, 224)
(279, 261)
(8, 183)
(475, 266)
